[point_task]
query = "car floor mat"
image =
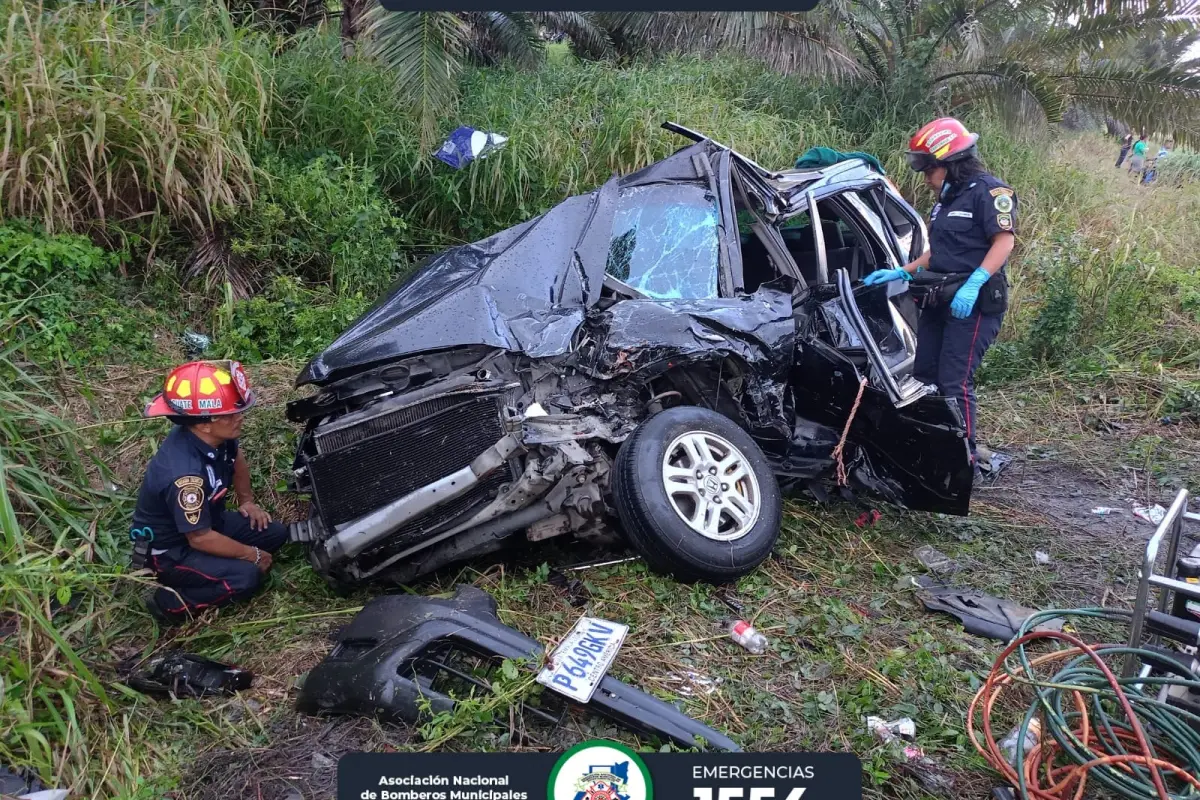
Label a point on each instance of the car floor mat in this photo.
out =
(980, 614)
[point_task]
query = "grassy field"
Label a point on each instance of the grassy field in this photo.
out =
(1102, 342)
(848, 639)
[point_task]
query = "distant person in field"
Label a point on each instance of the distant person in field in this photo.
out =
(972, 231)
(203, 554)
(1138, 162)
(1152, 170)
(1126, 144)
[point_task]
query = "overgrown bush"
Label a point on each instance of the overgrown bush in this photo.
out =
(69, 291)
(112, 114)
(285, 321)
(325, 221)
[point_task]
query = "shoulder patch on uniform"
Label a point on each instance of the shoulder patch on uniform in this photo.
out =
(190, 497)
(1004, 221)
(1003, 203)
(1001, 190)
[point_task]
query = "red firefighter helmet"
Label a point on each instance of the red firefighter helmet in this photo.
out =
(203, 389)
(944, 139)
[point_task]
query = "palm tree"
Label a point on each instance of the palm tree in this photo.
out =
(427, 50)
(1028, 59)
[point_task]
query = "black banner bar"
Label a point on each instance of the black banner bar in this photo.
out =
(600, 770)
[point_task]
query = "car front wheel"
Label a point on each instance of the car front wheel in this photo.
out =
(696, 496)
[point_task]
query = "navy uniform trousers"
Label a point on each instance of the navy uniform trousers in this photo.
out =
(194, 581)
(948, 353)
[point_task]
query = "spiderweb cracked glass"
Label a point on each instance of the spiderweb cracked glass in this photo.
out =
(665, 242)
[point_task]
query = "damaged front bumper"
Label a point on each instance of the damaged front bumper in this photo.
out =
(399, 649)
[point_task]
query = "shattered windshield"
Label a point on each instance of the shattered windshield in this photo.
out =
(664, 242)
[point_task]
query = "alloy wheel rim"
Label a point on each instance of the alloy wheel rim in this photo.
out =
(711, 486)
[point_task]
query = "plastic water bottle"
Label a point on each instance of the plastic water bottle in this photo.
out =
(747, 636)
(1009, 745)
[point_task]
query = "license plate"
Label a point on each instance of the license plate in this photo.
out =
(582, 660)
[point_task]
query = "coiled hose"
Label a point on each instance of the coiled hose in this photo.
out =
(1096, 726)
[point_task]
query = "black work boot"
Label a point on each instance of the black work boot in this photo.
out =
(148, 600)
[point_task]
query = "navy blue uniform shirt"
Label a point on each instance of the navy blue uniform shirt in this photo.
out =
(184, 489)
(962, 225)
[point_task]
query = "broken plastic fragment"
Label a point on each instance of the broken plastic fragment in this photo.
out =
(1042, 557)
(903, 728)
(1153, 514)
(467, 144)
(1104, 511)
(935, 560)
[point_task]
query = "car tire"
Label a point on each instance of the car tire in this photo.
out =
(677, 531)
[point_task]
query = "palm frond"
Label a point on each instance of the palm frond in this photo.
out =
(1017, 92)
(424, 50)
(1165, 100)
(1090, 34)
(588, 36)
(504, 36)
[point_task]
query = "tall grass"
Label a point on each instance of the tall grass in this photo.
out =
(112, 116)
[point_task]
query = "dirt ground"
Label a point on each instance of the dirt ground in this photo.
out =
(1043, 500)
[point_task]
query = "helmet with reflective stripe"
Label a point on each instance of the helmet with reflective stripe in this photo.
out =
(944, 139)
(203, 389)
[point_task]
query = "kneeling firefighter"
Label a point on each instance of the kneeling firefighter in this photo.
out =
(203, 554)
(959, 283)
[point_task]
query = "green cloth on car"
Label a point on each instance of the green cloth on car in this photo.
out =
(817, 157)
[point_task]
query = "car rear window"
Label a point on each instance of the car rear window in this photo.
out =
(664, 242)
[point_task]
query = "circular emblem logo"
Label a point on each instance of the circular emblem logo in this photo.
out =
(1004, 204)
(599, 770)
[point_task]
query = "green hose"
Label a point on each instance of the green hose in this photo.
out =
(1168, 728)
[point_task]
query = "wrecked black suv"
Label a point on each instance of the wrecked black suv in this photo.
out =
(671, 351)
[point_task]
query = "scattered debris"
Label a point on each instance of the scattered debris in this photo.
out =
(604, 563)
(195, 344)
(577, 593)
(886, 732)
(935, 560)
(747, 636)
(1015, 755)
(725, 596)
(1105, 511)
(693, 683)
(320, 761)
(925, 770)
(467, 144)
(868, 518)
(1153, 514)
(994, 463)
(980, 614)
(928, 772)
(395, 653)
(1042, 557)
(179, 674)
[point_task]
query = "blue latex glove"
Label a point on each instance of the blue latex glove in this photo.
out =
(965, 297)
(886, 276)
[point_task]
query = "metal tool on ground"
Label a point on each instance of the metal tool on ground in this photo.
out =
(1134, 736)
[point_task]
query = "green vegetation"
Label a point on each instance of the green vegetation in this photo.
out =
(264, 186)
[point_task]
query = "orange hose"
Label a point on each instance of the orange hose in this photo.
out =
(1062, 780)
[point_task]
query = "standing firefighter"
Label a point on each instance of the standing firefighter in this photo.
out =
(203, 554)
(971, 234)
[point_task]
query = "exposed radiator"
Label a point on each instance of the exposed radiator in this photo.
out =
(387, 456)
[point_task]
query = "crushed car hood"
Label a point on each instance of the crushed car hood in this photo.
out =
(525, 289)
